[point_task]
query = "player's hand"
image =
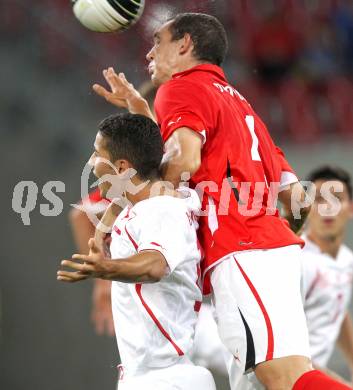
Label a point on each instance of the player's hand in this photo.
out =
(122, 93)
(83, 267)
(101, 310)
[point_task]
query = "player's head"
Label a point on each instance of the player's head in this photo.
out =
(185, 41)
(125, 142)
(330, 227)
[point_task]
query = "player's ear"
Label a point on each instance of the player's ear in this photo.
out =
(122, 166)
(186, 44)
(351, 209)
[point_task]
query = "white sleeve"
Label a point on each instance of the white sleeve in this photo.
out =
(168, 232)
(287, 178)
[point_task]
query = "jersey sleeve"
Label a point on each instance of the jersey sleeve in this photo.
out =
(168, 233)
(178, 104)
(288, 175)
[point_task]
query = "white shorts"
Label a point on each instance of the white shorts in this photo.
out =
(176, 377)
(259, 308)
(208, 350)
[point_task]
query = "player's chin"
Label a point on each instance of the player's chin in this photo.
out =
(155, 80)
(330, 232)
(158, 78)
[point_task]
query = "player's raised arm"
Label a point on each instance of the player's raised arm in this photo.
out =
(145, 267)
(182, 154)
(105, 224)
(122, 94)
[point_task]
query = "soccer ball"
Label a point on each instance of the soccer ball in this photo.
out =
(108, 15)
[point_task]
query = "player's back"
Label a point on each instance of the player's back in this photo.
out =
(240, 171)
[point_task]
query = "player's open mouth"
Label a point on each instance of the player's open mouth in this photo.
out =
(150, 69)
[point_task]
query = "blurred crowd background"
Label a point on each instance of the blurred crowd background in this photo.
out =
(292, 59)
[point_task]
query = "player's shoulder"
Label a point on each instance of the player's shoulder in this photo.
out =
(165, 206)
(181, 86)
(346, 255)
(312, 260)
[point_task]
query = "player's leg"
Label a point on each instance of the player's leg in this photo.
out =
(233, 332)
(208, 350)
(260, 315)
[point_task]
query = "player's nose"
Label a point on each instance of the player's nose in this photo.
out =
(149, 55)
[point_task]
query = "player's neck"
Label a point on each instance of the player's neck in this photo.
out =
(150, 190)
(328, 245)
(188, 64)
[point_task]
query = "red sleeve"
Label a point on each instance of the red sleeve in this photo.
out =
(95, 197)
(285, 167)
(178, 104)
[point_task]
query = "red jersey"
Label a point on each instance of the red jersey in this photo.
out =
(240, 168)
(94, 203)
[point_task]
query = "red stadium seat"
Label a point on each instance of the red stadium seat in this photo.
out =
(340, 97)
(300, 115)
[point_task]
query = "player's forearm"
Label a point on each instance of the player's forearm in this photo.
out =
(345, 339)
(145, 267)
(174, 169)
(296, 223)
(140, 106)
(182, 156)
(106, 223)
(295, 209)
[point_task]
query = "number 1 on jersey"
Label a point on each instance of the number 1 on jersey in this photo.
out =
(255, 156)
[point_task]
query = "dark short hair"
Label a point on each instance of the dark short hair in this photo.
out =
(328, 172)
(207, 34)
(136, 139)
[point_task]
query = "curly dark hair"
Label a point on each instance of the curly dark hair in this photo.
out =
(135, 138)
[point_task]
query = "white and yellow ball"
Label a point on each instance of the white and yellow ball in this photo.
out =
(108, 15)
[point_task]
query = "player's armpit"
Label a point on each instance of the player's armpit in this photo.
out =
(295, 208)
(182, 154)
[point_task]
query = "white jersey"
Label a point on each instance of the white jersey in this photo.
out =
(326, 288)
(155, 322)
